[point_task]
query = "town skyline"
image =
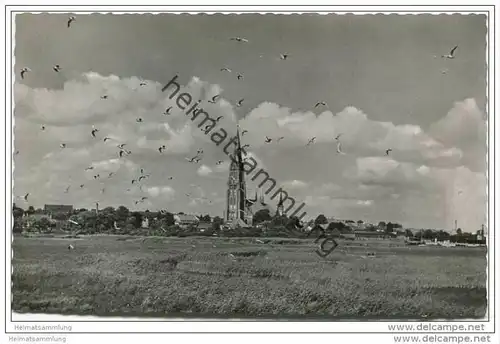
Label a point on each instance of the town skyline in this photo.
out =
(382, 87)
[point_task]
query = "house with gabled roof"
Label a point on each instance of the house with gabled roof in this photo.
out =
(186, 220)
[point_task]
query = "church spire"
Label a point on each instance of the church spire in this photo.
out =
(279, 210)
(238, 144)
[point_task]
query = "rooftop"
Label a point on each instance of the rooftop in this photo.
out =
(186, 218)
(58, 208)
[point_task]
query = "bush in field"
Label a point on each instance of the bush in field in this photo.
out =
(17, 213)
(279, 221)
(43, 225)
(261, 216)
(217, 223)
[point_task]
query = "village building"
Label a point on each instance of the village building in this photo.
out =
(186, 220)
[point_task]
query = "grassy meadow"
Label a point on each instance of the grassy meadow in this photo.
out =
(280, 278)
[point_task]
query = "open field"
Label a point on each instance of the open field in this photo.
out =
(167, 277)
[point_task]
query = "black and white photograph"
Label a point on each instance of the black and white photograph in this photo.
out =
(252, 166)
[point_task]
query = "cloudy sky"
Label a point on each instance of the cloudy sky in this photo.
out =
(382, 76)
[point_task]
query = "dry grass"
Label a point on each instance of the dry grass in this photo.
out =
(107, 275)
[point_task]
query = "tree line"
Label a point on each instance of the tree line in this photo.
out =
(108, 220)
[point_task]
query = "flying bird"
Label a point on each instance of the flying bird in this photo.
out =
(167, 111)
(143, 83)
(162, 148)
(214, 99)
(280, 138)
(240, 76)
(239, 39)
(240, 102)
(138, 120)
(106, 139)
(225, 70)
(121, 153)
(170, 178)
(56, 68)
(104, 97)
(42, 127)
(133, 181)
(199, 151)
(121, 145)
(70, 20)
(24, 71)
(339, 148)
(94, 131)
(311, 141)
(26, 196)
(142, 171)
(387, 151)
(244, 132)
(207, 128)
(111, 174)
(451, 54)
(143, 177)
(268, 140)
(321, 103)
(71, 247)
(89, 168)
(284, 56)
(97, 176)
(62, 145)
(81, 186)
(338, 137)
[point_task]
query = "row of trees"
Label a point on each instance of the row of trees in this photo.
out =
(107, 220)
(264, 216)
(388, 227)
(123, 217)
(123, 221)
(441, 235)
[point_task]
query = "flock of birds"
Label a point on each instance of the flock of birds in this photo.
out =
(123, 152)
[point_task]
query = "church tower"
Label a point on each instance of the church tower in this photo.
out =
(236, 188)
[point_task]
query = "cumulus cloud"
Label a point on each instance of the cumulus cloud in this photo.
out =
(423, 172)
(359, 134)
(166, 192)
(365, 203)
(294, 184)
(68, 116)
(464, 128)
(204, 170)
